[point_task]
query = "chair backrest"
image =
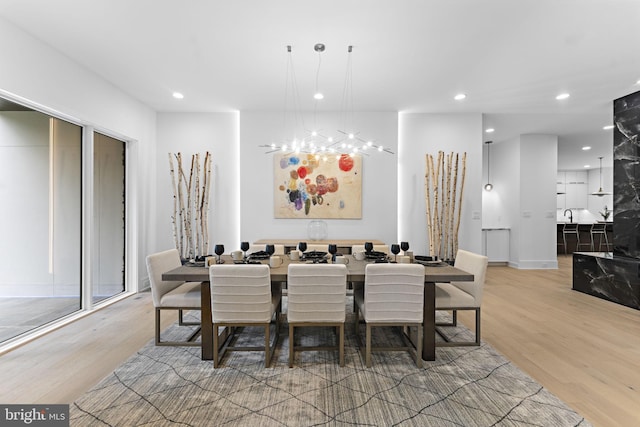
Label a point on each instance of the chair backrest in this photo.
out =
(279, 249)
(598, 227)
(377, 248)
(240, 293)
(570, 227)
(394, 292)
(316, 292)
(157, 264)
(476, 265)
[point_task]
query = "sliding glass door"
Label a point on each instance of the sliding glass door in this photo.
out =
(108, 261)
(41, 220)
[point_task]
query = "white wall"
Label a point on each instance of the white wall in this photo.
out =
(420, 134)
(379, 183)
(504, 175)
(192, 133)
(533, 236)
(34, 73)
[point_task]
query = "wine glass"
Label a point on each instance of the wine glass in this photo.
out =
(219, 250)
(270, 249)
(368, 246)
(302, 246)
(244, 246)
(333, 249)
(395, 250)
(404, 246)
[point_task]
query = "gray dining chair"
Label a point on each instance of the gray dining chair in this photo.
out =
(316, 297)
(172, 295)
(241, 295)
(457, 296)
(393, 295)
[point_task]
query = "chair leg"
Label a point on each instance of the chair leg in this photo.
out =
(157, 326)
(478, 326)
(341, 344)
(419, 345)
(291, 345)
(367, 357)
(455, 317)
(216, 346)
(267, 345)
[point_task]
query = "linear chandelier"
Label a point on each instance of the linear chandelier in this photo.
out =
(312, 140)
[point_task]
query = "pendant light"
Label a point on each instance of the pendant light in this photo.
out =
(600, 192)
(488, 186)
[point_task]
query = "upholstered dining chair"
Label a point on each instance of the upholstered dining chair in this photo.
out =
(393, 295)
(456, 296)
(171, 295)
(241, 295)
(316, 297)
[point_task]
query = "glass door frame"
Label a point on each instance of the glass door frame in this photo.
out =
(131, 241)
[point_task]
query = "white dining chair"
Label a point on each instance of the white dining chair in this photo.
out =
(316, 297)
(241, 295)
(393, 295)
(456, 296)
(172, 295)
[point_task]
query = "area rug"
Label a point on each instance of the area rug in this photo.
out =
(465, 386)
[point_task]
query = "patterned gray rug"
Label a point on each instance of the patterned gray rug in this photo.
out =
(465, 386)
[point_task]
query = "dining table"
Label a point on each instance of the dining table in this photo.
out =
(433, 273)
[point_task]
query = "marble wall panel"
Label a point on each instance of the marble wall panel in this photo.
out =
(626, 176)
(613, 279)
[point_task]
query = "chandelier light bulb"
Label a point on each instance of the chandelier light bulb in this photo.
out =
(351, 136)
(380, 148)
(330, 139)
(369, 143)
(488, 187)
(314, 133)
(284, 147)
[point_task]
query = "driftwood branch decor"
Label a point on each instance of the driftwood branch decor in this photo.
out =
(190, 205)
(444, 188)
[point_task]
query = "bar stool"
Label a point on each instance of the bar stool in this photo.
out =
(569, 229)
(599, 229)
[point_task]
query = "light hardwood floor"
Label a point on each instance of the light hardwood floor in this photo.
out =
(583, 349)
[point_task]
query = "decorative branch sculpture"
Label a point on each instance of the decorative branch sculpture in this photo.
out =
(441, 189)
(191, 205)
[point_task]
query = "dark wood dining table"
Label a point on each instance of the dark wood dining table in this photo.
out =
(356, 273)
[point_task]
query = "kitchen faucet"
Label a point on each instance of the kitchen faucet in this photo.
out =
(570, 214)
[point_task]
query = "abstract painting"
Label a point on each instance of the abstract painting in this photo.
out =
(317, 186)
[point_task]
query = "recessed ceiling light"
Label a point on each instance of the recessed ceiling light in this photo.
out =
(562, 96)
(586, 147)
(587, 166)
(460, 97)
(638, 82)
(318, 95)
(489, 130)
(607, 127)
(178, 95)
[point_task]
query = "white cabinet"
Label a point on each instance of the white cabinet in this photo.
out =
(495, 242)
(575, 186)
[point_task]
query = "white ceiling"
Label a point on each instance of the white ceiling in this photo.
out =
(510, 57)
